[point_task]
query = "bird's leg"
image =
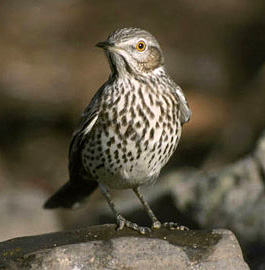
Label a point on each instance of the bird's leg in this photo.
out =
(156, 223)
(121, 221)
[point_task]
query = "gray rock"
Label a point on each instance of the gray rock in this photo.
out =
(259, 154)
(231, 197)
(101, 247)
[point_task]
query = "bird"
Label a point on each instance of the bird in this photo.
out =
(129, 130)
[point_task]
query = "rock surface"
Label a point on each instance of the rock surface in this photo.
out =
(101, 247)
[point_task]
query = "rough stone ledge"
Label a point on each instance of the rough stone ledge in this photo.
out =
(101, 247)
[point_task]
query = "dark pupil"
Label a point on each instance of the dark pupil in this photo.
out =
(141, 46)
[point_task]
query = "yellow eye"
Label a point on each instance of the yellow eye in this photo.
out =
(140, 46)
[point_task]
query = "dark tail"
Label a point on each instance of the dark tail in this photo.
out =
(71, 193)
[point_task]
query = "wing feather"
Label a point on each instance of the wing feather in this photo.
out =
(185, 111)
(87, 122)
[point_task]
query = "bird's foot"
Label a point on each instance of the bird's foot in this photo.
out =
(122, 222)
(174, 226)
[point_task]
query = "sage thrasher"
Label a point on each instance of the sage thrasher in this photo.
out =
(129, 130)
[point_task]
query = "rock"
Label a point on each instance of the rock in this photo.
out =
(259, 155)
(101, 247)
(231, 197)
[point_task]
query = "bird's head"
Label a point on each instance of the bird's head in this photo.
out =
(132, 50)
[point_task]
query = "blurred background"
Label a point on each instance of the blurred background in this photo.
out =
(50, 69)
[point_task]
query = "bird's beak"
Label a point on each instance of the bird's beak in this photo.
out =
(109, 46)
(105, 45)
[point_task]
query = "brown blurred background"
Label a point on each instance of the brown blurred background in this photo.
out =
(50, 68)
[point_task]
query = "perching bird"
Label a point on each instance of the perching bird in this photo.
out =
(129, 130)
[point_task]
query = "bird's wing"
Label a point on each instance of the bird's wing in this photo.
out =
(185, 112)
(87, 122)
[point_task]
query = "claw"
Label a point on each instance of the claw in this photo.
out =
(134, 226)
(144, 230)
(156, 225)
(175, 226)
(122, 222)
